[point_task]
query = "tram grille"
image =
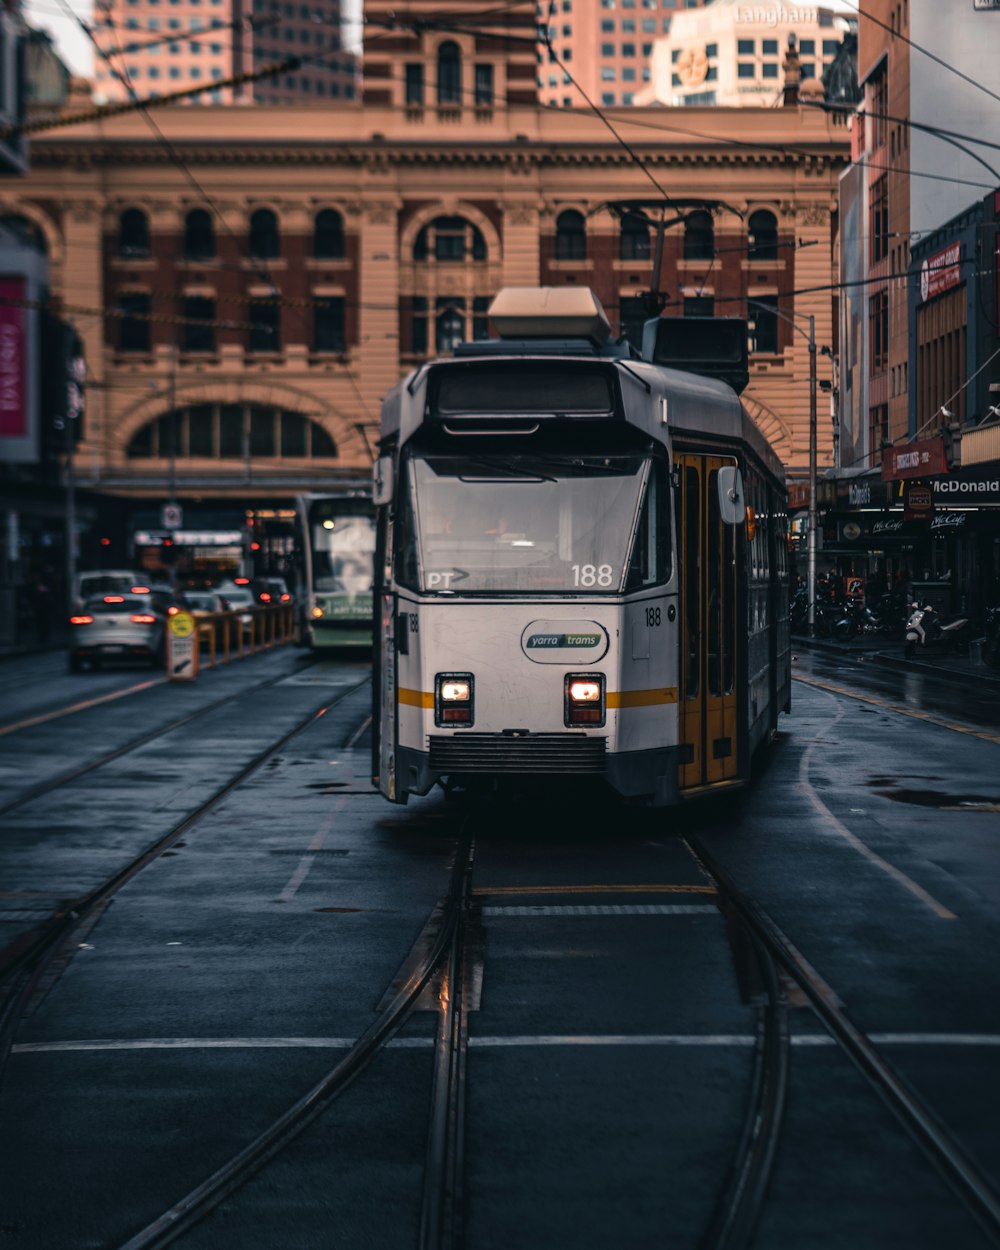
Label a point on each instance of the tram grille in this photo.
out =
(532, 753)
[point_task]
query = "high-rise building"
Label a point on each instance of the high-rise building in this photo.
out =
(602, 48)
(162, 46)
(907, 179)
(730, 54)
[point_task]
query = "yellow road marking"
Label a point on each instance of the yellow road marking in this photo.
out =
(595, 889)
(416, 698)
(902, 709)
(80, 707)
(641, 698)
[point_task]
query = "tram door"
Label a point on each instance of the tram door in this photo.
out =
(708, 677)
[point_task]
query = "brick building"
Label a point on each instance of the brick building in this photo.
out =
(247, 337)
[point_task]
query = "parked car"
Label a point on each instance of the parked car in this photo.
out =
(235, 598)
(203, 602)
(91, 583)
(117, 627)
(271, 590)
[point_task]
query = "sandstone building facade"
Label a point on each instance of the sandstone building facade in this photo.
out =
(241, 332)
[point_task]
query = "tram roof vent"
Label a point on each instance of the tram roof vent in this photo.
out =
(712, 347)
(549, 312)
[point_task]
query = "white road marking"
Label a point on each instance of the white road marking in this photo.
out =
(306, 862)
(989, 1040)
(605, 909)
(897, 874)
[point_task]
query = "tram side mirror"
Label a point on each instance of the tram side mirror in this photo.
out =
(732, 502)
(382, 481)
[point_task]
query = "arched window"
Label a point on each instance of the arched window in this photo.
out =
(449, 74)
(634, 241)
(328, 235)
(571, 236)
(762, 242)
(699, 236)
(265, 243)
(449, 239)
(199, 235)
(231, 432)
(133, 233)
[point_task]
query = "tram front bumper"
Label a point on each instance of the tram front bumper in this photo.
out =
(648, 774)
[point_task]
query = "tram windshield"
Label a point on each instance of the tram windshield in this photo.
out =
(531, 524)
(343, 549)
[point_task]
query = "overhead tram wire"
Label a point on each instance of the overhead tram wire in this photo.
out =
(262, 273)
(898, 34)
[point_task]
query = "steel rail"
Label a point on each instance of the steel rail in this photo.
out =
(27, 968)
(736, 1215)
(184, 1214)
(441, 1218)
(73, 774)
(963, 1175)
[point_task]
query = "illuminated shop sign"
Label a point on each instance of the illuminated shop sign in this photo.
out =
(13, 374)
(940, 272)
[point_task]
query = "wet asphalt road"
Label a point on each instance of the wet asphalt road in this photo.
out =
(610, 1052)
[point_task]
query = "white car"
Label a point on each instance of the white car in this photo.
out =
(93, 583)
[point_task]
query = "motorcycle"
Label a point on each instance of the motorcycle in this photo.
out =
(925, 631)
(856, 620)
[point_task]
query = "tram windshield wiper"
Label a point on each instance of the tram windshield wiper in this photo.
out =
(511, 471)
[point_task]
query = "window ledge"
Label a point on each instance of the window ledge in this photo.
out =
(133, 263)
(328, 358)
(329, 262)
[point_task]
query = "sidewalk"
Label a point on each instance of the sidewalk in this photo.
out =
(888, 654)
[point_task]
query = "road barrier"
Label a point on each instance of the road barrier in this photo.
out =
(237, 634)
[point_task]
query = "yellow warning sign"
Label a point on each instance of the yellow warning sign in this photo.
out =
(181, 624)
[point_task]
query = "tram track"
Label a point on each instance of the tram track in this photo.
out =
(446, 963)
(445, 1135)
(30, 958)
(74, 774)
(966, 1180)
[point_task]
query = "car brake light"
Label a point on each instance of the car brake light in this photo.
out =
(81, 620)
(453, 699)
(143, 618)
(114, 598)
(173, 610)
(241, 581)
(583, 700)
(265, 597)
(285, 598)
(139, 590)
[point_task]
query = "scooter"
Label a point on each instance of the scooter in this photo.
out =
(924, 630)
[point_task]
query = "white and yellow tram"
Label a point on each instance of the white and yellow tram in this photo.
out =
(581, 565)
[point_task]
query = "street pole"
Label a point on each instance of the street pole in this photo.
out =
(172, 401)
(811, 583)
(70, 519)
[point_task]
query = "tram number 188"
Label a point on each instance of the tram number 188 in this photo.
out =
(592, 574)
(652, 617)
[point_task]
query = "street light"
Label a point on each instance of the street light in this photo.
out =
(811, 547)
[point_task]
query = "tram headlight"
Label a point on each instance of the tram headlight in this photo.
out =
(453, 697)
(583, 702)
(317, 612)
